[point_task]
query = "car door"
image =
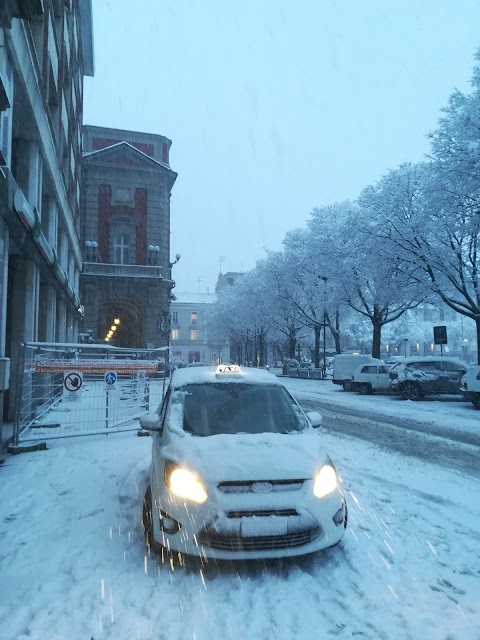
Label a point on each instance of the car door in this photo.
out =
(382, 378)
(451, 375)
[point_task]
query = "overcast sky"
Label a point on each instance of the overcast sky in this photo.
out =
(274, 107)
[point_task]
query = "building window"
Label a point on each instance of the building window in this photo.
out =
(175, 317)
(122, 195)
(193, 356)
(194, 317)
(193, 334)
(121, 249)
(174, 334)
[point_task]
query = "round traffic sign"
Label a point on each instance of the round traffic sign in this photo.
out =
(110, 378)
(72, 382)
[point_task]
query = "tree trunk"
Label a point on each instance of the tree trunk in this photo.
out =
(335, 330)
(238, 358)
(377, 337)
(292, 345)
(316, 349)
(261, 350)
(477, 324)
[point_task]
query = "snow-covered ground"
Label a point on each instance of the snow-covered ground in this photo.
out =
(450, 412)
(73, 562)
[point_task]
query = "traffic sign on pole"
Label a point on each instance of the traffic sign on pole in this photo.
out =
(72, 385)
(110, 378)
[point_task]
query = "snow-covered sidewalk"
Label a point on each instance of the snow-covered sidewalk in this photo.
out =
(73, 562)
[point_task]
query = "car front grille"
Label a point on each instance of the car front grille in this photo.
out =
(263, 512)
(247, 486)
(233, 543)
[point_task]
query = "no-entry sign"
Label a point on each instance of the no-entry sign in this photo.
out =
(72, 385)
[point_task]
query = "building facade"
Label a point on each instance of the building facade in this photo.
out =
(125, 233)
(227, 279)
(189, 337)
(46, 49)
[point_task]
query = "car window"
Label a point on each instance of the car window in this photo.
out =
(212, 409)
(370, 369)
(383, 369)
(451, 366)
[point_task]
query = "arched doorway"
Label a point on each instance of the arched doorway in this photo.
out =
(130, 331)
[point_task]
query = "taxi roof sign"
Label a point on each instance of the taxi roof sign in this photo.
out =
(228, 369)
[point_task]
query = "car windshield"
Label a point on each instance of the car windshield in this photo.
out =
(212, 409)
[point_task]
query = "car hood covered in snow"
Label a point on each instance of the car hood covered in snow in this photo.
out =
(266, 456)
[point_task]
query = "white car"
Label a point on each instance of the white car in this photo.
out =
(371, 377)
(470, 386)
(238, 470)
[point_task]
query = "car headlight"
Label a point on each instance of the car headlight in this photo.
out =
(325, 481)
(184, 484)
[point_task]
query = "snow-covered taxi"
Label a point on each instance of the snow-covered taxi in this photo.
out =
(238, 470)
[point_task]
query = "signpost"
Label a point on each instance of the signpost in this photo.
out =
(440, 336)
(72, 385)
(110, 378)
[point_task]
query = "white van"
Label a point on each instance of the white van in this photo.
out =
(345, 364)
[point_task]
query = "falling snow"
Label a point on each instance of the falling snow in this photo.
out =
(73, 563)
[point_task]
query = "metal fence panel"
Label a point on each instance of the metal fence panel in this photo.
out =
(66, 390)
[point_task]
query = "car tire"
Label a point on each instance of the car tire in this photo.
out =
(411, 391)
(347, 385)
(147, 524)
(365, 389)
(476, 401)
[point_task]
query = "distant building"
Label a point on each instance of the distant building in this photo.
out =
(46, 49)
(189, 339)
(125, 232)
(226, 279)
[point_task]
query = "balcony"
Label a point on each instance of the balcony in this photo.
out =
(122, 270)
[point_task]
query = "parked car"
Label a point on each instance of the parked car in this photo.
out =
(238, 470)
(418, 376)
(345, 364)
(368, 378)
(470, 386)
(394, 359)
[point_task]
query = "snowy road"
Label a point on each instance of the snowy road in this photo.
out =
(451, 440)
(73, 564)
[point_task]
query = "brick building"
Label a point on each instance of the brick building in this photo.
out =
(125, 233)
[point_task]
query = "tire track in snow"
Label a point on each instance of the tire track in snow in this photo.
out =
(433, 445)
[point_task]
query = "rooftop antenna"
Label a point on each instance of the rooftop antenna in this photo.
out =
(222, 260)
(199, 284)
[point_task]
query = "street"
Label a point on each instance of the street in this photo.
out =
(74, 565)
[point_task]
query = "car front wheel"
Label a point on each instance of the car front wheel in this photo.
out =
(365, 389)
(411, 391)
(476, 401)
(347, 385)
(147, 523)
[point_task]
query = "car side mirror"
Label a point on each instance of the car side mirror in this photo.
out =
(314, 418)
(152, 422)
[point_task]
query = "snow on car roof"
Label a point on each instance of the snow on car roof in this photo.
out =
(206, 375)
(434, 359)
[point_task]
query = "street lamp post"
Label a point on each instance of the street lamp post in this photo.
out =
(324, 372)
